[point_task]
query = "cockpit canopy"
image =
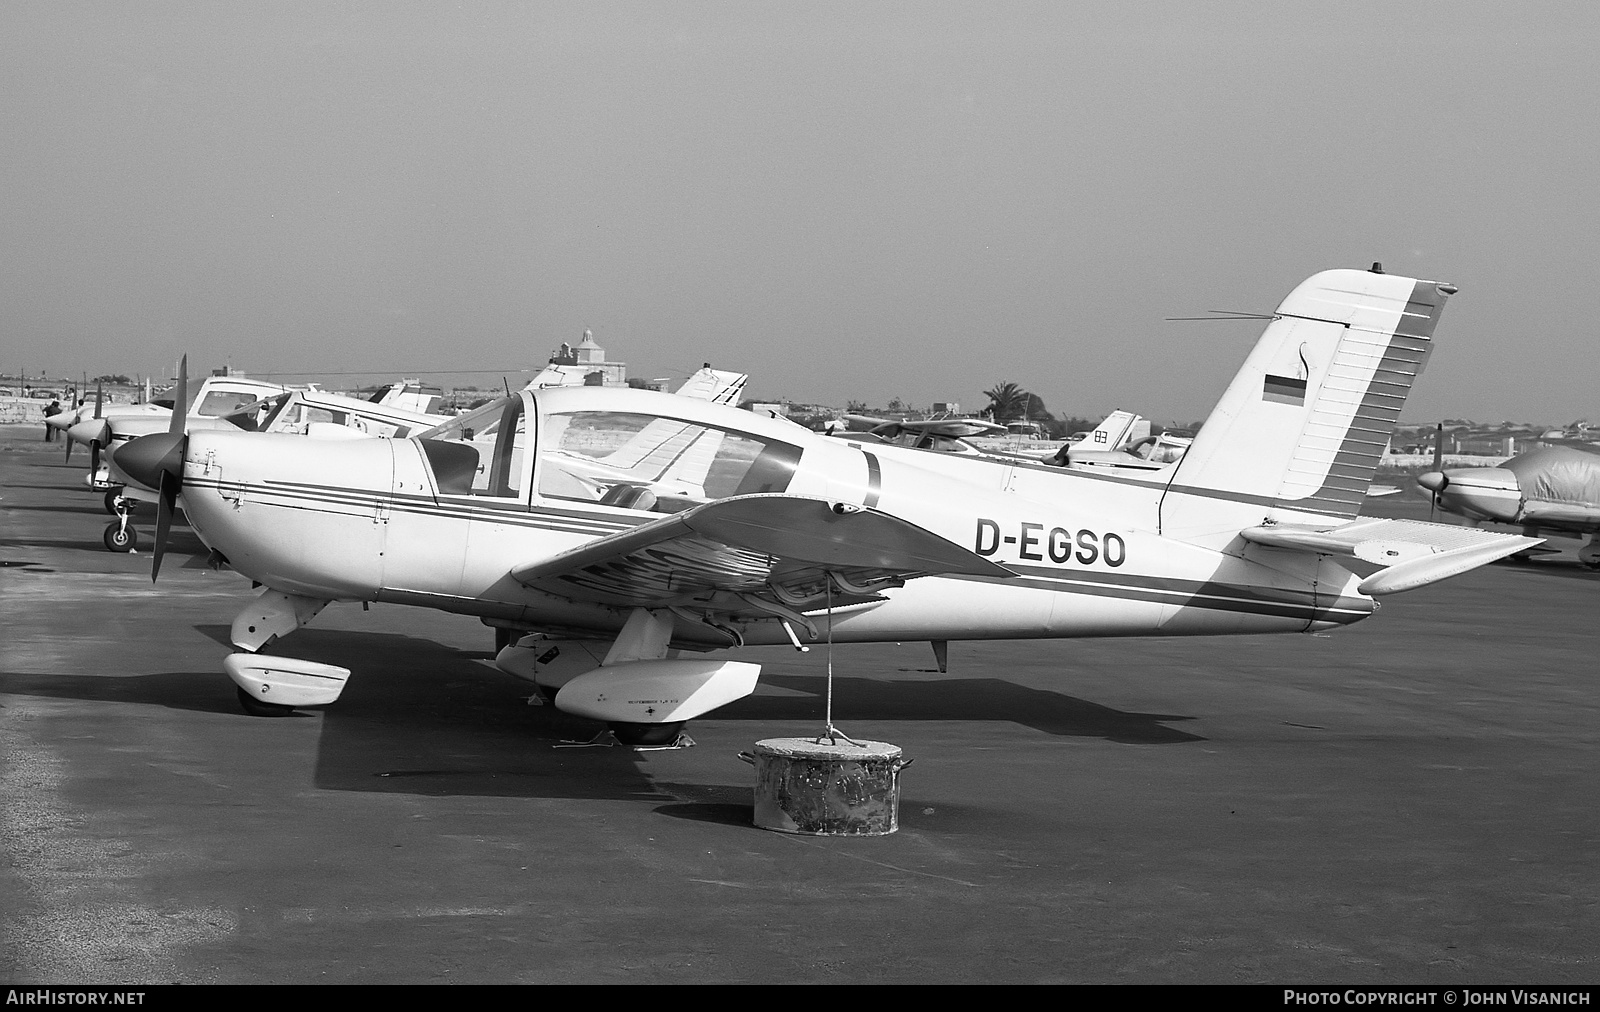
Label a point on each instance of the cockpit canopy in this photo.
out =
(291, 412)
(637, 451)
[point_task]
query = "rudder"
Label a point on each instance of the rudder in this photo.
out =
(1304, 423)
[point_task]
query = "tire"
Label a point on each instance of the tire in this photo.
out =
(647, 735)
(111, 500)
(119, 539)
(260, 708)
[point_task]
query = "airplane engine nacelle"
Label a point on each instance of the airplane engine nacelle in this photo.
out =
(1491, 493)
(285, 681)
(657, 692)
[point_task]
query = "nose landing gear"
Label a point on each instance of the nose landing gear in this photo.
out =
(119, 536)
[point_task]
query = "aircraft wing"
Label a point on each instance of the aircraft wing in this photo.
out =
(956, 428)
(752, 555)
(1412, 553)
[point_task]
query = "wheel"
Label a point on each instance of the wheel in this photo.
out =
(646, 734)
(111, 500)
(261, 708)
(119, 538)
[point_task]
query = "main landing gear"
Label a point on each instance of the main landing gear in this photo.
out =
(632, 685)
(1589, 554)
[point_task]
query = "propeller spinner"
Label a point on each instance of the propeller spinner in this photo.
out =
(156, 461)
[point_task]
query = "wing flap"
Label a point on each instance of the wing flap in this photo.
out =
(1412, 553)
(744, 545)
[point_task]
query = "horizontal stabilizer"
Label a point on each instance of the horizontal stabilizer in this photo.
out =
(1412, 553)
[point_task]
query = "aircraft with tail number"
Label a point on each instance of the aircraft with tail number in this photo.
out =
(734, 530)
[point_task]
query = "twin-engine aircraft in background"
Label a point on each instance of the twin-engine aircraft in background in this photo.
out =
(617, 538)
(1554, 488)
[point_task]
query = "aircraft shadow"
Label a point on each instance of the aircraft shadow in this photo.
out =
(421, 718)
(48, 543)
(964, 699)
(1568, 569)
(436, 722)
(62, 509)
(199, 691)
(180, 541)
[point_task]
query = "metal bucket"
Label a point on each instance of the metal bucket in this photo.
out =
(824, 789)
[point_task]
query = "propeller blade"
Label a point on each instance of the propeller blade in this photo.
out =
(180, 398)
(67, 438)
(94, 459)
(165, 505)
(99, 396)
(1438, 467)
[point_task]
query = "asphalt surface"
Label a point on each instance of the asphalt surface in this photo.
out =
(1408, 800)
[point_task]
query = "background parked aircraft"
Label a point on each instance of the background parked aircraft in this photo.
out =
(1554, 488)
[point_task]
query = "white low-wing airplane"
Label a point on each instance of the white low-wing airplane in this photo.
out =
(513, 514)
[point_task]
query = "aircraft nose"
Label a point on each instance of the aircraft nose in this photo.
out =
(92, 431)
(1433, 481)
(145, 458)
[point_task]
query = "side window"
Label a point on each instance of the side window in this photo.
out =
(483, 453)
(663, 465)
(323, 415)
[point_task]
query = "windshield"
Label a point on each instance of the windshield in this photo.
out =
(222, 402)
(465, 427)
(257, 416)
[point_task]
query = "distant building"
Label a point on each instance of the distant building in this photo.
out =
(589, 357)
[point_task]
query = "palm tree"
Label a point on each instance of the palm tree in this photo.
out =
(1007, 401)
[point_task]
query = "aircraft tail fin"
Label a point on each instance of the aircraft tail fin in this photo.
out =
(716, 385)
(1119, 429)
(1304, 423)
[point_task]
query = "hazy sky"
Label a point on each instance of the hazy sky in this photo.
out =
(846, 201)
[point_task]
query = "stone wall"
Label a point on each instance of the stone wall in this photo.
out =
(22, 411)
